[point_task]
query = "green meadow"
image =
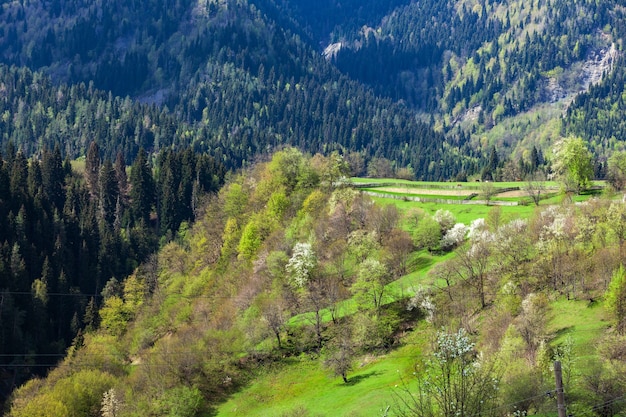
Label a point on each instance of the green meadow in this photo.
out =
(301, 386)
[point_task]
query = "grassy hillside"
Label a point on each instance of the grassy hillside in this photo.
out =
(292, 296)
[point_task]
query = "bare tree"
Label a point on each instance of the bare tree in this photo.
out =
(488, 190)
(274, 314)
(535, 188)
(339, 353)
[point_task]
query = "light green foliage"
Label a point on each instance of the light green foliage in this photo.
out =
(369, 287)
(331, 169)
(76, 395)
(617, 170)
(180, 401)
(114, 316)
(616, 299)
(314, 203)
(292, 170)
(616, 220)
(277, 205)
(427, 234)
(235, 199)
(521, 382)
(39, 289)
(362, 244)
(230, 238)
(251, 240)
(573, 162)
(134, 293)
(117, 312)
(43, 405)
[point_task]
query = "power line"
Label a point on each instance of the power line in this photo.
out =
(50, 294)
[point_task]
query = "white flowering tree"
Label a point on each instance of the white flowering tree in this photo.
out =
(301, 264)
(454, 237)
(423, 300)
(445, 219)
(312, 289)
(454, 382)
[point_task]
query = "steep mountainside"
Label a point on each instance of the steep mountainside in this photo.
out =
(489, 59)
(226, 70)
(240, 68)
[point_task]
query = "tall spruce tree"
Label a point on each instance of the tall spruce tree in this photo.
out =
(92, 168)
(53, 176)
(108, 193)
(142, 191)
(122, 178)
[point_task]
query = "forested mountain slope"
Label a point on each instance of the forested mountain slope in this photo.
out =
(240, 82)
(251, 75)
(65, 235)
(475, 64)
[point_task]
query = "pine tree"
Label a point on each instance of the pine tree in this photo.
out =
(142, 191)
(169, 200)
(53, 177)
(122, 179)
(19, 179)
(108, 193)
(92, 169)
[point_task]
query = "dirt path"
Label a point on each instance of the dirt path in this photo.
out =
(426, 191)
(517, 193)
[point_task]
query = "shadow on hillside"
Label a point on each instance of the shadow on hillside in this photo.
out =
(562, 331)
(358, 378)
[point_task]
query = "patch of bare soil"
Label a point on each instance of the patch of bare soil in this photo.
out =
(517, 193)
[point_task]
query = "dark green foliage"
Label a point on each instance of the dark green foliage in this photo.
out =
(53, 176)
(272, 89)
(59, 244)
(142, 191)
(108, 193)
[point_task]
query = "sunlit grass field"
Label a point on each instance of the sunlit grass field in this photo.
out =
(301, 386)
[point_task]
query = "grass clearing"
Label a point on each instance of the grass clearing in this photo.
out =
(303, 384)
(585, 322)
(464, 213)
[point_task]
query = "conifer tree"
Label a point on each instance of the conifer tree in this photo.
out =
(122, 178)
(142, 191)
(108, 193)
(19, 179)
(53, 176)
(92, 168)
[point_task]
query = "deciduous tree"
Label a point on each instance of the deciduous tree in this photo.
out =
(454, 381)
(616, 299)
(573, 163)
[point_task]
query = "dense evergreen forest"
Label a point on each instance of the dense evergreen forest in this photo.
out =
(240, 78)
(68, 237)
